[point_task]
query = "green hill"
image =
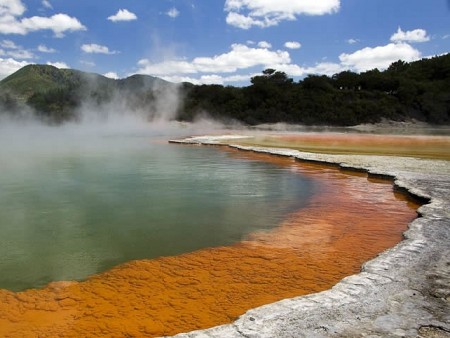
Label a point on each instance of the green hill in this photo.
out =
(55, 94)
(33, 79)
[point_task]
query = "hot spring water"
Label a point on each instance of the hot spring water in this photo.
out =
(74, 202)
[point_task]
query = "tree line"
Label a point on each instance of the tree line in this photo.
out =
(418, 90)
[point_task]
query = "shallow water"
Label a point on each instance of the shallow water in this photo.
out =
(75, 202)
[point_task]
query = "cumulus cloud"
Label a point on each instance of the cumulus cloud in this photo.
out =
(352, 41)
(293, 45)
(9, 66)
(240, 57)
(210, 79)
(325, 68)
(111, 75)
(20, 54)
(123, 15)
(322, 68)
(11, 8)
(45, 49)
(60, 65)
(58, 23)
(214, 70)
(379, 57)
(9, 44)
(173, 12)
(242, 21)
(263, 13)
(229, 66)
(264, 44)
(14, 51)
(11, 23)
(417, 35)
(93, 48)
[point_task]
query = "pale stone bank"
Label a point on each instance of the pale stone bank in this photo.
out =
(403, 292)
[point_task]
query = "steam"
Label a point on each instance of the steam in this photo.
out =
(139, 112)
(155, 101)
(148, 110)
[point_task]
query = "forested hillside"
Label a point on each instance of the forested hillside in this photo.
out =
(419, 90)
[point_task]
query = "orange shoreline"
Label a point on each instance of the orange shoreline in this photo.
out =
(349, 221)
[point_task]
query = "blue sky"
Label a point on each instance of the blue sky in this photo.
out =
(224, 42)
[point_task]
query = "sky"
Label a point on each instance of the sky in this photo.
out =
(220, 41)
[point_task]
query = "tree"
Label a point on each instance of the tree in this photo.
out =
(398, 67)
(346, 80)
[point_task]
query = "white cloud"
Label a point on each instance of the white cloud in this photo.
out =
(290, 69)
(45, 49)
(11, 23)
(322, 68)
(20, 54)
(60, 65)
(244, 22)
(123, 15)
(111, 75)
(379, 57)
(240, 57)
(210, 79)
(264, 44)
(14, 51)
(417, 35)
(11, 8)
(58, 23)
(293, 45)
(325, 68)
(9, 66)
(209, 70)
(173, 12)
(446, 37)
(352, 41)
(47, 4)
(93, 48)
(264, 13)
(9, 44)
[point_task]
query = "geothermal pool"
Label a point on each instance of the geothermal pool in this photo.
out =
(171, 238)
(73, 204)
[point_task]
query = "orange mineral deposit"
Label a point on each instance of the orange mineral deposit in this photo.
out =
(348, 221)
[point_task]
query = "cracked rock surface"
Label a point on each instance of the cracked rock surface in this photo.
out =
(403, 292)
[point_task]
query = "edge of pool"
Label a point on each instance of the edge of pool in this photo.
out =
(403, 292)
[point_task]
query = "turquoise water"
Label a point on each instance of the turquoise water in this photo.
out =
(76, 203)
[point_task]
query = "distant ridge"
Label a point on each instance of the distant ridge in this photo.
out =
(36, 78)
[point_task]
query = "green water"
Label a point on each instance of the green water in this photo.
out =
(73, 204)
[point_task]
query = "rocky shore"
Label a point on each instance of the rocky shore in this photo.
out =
(403, 292)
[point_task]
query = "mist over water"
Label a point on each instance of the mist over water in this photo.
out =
(80, 198)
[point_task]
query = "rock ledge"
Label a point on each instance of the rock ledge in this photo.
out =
(403, 292)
